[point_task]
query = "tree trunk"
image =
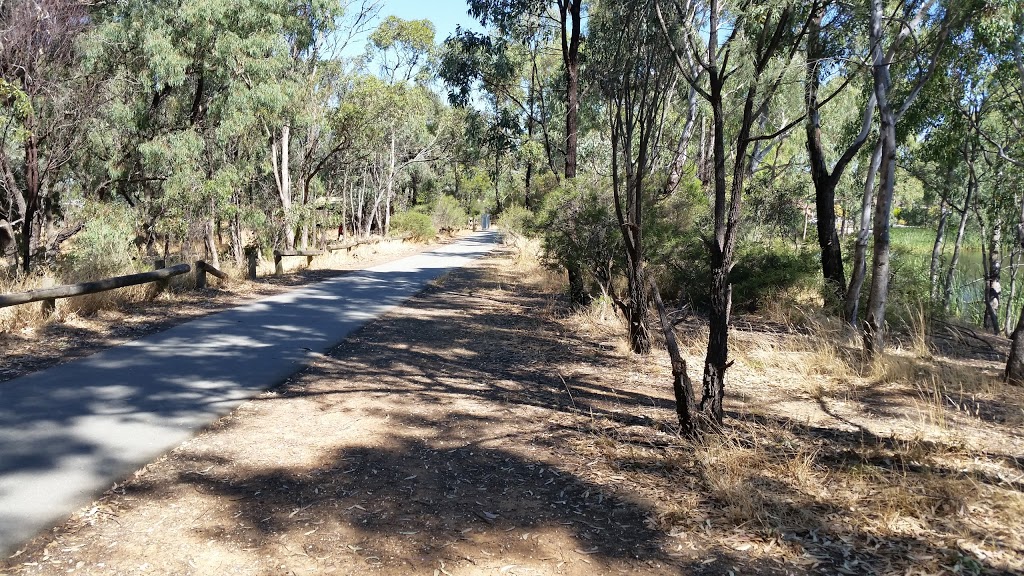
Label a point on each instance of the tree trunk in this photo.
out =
(210, 244)
(237, 248)
(682, 387)
(282, 177)
(32, 186)
(874, 326)
(993, 277)
(825, 182)
(851, 305)
(391, 186)
(828, 238)
(717, 359)
(681, 157)
(940, 239)
(1015, 362)
(639, 336)
(1015, 260)
(571, 16)
(947, 289)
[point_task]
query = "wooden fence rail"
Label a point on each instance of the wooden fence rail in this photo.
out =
(49, 295)
(279, 254)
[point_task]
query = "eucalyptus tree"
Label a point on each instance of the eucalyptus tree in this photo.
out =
(526, 22)
(192, 85)
(48, 98)
(315, 34)
(925, 27)
(635, 71)
(833, 55)
(517, 19)
(749, 52)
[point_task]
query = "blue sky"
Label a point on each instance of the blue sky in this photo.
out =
(445, 14)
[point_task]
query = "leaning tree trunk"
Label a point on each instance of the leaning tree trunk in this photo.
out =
(940, 241)
(874, 325)
(682, 387)
(851, 306)
(954, 261)
(1015, 363)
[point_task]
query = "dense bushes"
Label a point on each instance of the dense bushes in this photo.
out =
(579, 229)
(761, 271)
(515, 222)
(104, 247)
(448, 215)
(414, 225)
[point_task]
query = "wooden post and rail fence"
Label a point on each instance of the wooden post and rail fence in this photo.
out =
(49, 296)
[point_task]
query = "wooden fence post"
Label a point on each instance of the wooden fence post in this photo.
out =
(161, 285)
(278, 265)
(200, 274)
(250, 256)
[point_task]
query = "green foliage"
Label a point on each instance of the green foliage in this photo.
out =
(448, 214)
(578, 227)
(515, 221)
(403, 47)
(413, 224)
(761, 271)
(104, 247)
(13, 98)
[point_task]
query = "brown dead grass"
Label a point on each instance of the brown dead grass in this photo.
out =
(484, 429)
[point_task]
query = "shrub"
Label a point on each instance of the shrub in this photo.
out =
(414, 225)
(448, 214)
(760, 272)
(515, 222)
(104, 247)
(580, 229)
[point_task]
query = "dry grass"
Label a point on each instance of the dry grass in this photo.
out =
(905, 464)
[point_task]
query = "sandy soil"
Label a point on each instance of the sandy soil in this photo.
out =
(481, 430)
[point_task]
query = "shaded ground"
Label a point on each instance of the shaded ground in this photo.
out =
(480, 430)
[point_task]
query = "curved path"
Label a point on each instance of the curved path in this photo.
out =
(67, 433)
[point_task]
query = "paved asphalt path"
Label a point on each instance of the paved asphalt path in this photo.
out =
(69, 432)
